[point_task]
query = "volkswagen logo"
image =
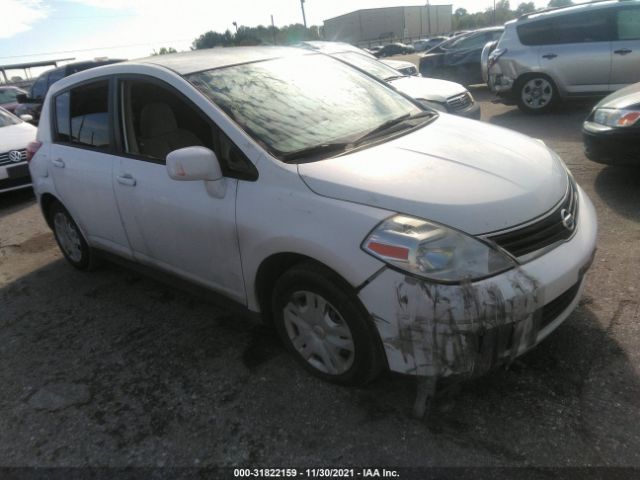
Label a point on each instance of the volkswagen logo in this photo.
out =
(15, 156)
(567, 219)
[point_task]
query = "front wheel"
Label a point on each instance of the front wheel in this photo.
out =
(536, 94)
(323, 324)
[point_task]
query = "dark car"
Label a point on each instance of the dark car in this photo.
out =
(9, 97)
(394, 49)
(31, 103)
(611, 132)
(458, 59)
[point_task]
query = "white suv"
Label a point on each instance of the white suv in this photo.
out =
(371, 231)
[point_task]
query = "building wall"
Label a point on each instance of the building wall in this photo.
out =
(392, 23)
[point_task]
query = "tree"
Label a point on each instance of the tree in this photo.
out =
(460, 12)
(164, 51)
(524, 8)
(560, 3)
(257, 35)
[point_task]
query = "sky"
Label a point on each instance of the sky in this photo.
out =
(34, 30)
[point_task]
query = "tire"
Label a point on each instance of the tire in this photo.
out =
(70, 240)
(536, 94)
(322, 323)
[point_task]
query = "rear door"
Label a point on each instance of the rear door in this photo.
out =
(625, 61)
(82, 162)
(576, 51)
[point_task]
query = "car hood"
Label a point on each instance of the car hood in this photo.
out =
(16, 137)
(623, 98)
(465, 174)
(428, 88)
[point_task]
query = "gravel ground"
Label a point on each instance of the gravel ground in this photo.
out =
(116, 368)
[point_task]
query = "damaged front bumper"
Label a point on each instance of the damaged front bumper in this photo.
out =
(440, 330)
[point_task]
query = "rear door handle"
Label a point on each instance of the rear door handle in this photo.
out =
(126, 179)
(549, 56)
(58, 162)
(622, 51)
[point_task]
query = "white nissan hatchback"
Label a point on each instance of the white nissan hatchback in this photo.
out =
(373, 233)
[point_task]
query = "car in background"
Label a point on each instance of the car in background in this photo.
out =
(394, 49)
(31, 103)
(440, 95)
(459, 58)
(428, 43)
(584, 50)
(9, 97)
(611, 132)
(402, 66)
(372, 233)
(15, 138)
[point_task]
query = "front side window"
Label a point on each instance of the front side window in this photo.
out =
(628, 24)
(82, 116)
(292, 105)
(156, 120)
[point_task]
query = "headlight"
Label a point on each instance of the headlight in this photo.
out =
(433, 251)
(616, 118)
(433, 105)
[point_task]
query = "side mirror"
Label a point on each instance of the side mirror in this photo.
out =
(26, 117)
(193, 163)
(21, 98)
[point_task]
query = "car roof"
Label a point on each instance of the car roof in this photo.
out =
(207, 59)
(592, 5)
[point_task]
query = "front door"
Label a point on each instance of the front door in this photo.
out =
(176, 225)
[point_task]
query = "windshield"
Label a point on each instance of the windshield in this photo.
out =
(369, 65)
(6, 119)
(8, 95)
(300, 103)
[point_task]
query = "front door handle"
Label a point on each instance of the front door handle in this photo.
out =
(549, 56)
(622, 51)
(58, 162)
(126, 179)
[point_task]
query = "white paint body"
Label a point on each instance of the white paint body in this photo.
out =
(465, 174)
(15, 137)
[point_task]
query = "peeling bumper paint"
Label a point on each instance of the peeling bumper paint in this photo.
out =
(441, 330)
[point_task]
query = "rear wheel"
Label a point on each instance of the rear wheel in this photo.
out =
(536, 94)
(70, 240)
(324, 325)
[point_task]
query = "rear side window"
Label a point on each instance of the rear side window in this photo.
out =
(82, 116)
(575, 28)
(628, 24)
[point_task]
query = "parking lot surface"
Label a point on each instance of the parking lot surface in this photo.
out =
(116, 368)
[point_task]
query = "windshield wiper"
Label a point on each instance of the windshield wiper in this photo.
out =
(389, 124)
(323, 148)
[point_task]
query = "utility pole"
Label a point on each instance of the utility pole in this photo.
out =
(494, 12)
(273, 29)
(304, 17)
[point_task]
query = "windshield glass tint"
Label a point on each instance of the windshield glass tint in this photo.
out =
(7, 119)
(293, 104)
(369, 65)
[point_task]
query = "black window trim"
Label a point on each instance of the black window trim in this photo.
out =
(110, 150)
(119, 78)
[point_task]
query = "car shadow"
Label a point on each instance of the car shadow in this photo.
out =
(16, 200)
(116, 367)
(619, 188)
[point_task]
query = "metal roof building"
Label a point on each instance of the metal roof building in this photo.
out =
(381, 25)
